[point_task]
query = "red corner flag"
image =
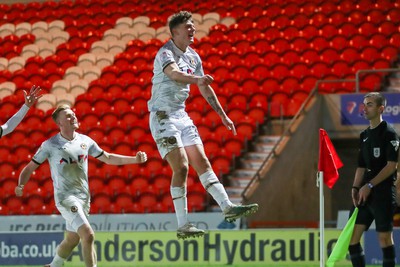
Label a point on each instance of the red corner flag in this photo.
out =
(329, 161)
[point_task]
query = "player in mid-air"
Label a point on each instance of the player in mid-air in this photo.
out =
(176, 66)
(30, 99)
(67, 153)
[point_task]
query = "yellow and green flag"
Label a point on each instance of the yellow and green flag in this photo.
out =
(342, 245)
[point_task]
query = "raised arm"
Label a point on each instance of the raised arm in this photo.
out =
(117, 159)
(175, 74)
(30, 99)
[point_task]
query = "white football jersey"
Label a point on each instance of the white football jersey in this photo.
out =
(166, 94)
(68, 162)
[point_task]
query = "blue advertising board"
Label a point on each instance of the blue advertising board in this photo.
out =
(28, 248)
(373, 253)
(352, 109)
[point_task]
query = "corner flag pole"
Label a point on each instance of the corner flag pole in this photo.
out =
(320, 184)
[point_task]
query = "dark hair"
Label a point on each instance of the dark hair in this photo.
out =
(179, 18)
(60, 108)
(379, 99)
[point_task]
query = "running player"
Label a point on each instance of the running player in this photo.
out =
(374, 192)
(67, 153)
(13, 122)
(176, 66)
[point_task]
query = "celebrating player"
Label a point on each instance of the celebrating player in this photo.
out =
(176, 66)
(67, 153)
(13, 122)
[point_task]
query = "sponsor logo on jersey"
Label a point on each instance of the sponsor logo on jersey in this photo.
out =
(81, 158)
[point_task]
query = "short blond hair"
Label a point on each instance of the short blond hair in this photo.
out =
(57, 111)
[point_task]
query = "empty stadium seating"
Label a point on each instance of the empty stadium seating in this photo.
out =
(266, 56)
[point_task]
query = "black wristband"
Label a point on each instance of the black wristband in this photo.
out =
(356, 188)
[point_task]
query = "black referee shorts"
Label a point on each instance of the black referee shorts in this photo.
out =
(380, 207)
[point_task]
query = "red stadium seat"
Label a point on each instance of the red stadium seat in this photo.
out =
(319, 20)
(329, 56)
(390, 53)
(258, 114)
(329, 31)
(350, 55)
(388, 27)
(125, 203)
(393, 15)
(36, 204)
(196, 201)
(337, 18)
(16, 206)
(310, 56)
(342, 69)
(348, 29)
(327, 8)
(162, 184)
(235, 114)
(320, 70)
(370, 53)
(116, 185)
(368, 29)
(221, 165)
(233, 147)
(138, 185)
(290, 58)
(309, 8)
(379, 40)
(148, 201)
(319, 43)
(357, 17)
(309, 32)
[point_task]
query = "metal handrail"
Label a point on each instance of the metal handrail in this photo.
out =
(371, 71)
(257, 176)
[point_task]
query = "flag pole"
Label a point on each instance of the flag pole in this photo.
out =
(320, 183)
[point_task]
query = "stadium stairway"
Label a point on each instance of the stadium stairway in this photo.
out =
(250, 162)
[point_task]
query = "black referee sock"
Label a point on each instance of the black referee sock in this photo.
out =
(357, 255)
(389, 256)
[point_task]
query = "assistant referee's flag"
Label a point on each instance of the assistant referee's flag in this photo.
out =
(342, 245)
(329, 161)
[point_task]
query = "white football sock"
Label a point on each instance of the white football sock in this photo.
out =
(57, 261)
(213, 186)
(180, 203)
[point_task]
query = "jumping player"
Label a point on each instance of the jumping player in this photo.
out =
(176, 66)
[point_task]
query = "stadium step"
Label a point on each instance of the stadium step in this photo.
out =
(256, 156)
(250, 163)
(240, 182)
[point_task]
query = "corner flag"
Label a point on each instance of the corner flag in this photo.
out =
(329, 161)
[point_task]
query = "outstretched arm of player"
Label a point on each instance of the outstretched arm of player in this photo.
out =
(117, 159)
(208, 93)
(24, 177)
(30, 99)
(175, 74)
